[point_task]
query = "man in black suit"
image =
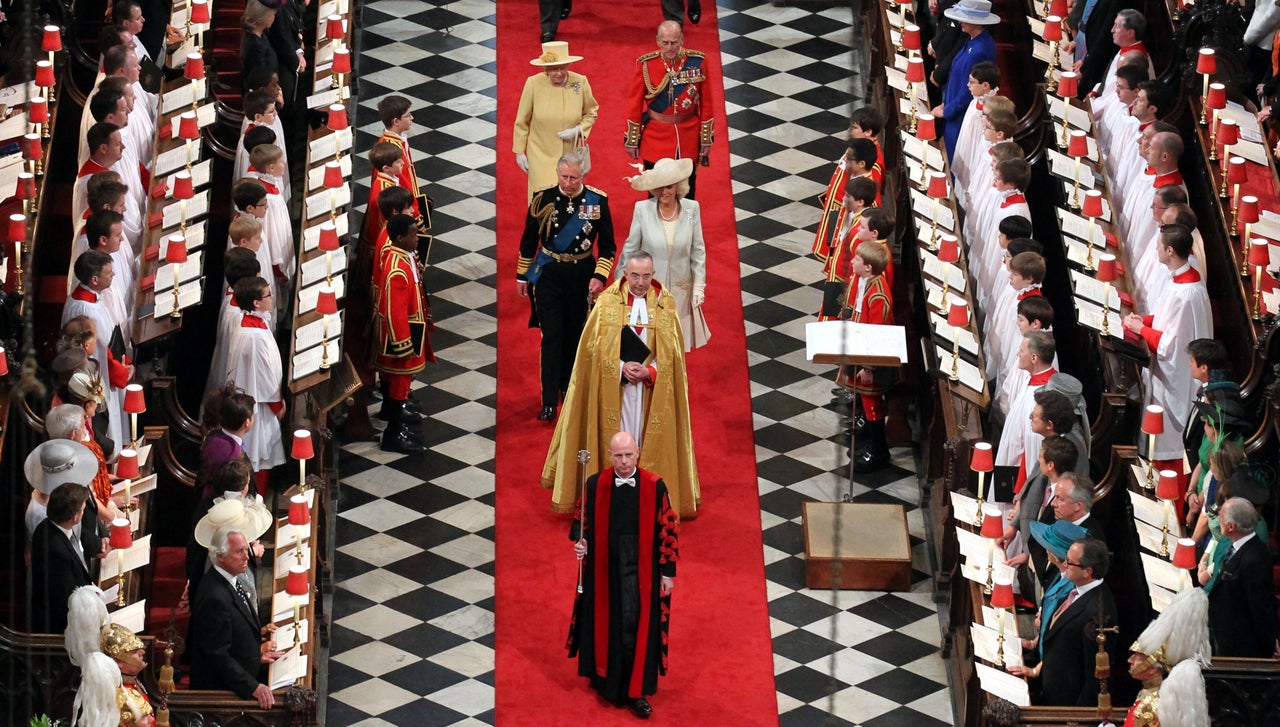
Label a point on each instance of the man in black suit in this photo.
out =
(227, 650)
(1242, 604)
(1096, 20)
(1057, 455)
(58, 564)
(1073, 502)
(1070, 647)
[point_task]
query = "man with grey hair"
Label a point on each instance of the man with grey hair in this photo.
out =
(1242, 604)
(228, 650)
(1073, 502)
(560, 273)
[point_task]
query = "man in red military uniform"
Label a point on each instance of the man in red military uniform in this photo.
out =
(403, 346)
(669, 109)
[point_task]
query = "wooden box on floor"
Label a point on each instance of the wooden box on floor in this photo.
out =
(875, 549)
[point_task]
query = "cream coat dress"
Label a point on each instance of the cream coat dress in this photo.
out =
(546, 110)
(679, 260)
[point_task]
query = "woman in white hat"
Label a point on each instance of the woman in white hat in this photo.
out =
(669, 227)
(557, 111)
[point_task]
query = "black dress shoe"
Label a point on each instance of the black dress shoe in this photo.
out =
(547, 414)
(547, 37)
(695, 11)
(640, 708)
(565, 8)
(402, 441)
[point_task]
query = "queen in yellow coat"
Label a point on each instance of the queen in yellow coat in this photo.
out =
(557, 111)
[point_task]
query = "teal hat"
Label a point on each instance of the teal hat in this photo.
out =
(1059, 536)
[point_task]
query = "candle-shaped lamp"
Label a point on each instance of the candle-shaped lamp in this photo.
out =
(326, 305)
(911, 40)
(1152, 425)
(958, 319)
(297, 586)
(1237, 174)
(1259, 258)
(51, 43)
(333, 181)
(135, 402)
(17, 234)
(1184, 559)
(982, 461)
(1228, 134)
(175, 253)
(4, 363)
(1206, 65)
(1215, 101)
(937, 191)
(1001, 601)
(127, 470)
(1077, 147)
(302, 451)
(1107, 275)
(1246, 215)
(992, 530)
(193, 70)
(926, 130)
(341, 66)
(199, 17)
(328, 244)
(915, 76)
(300, 519)
(183, 190)
(949, 254)
(33, 153)
(1053, 35)
(337, 122)
(188, 131)
(1167, 492)
(121, 540)
(1092, 210)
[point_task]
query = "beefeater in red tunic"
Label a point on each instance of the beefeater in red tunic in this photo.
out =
(403, 341)
(627, 535)
(669, 107)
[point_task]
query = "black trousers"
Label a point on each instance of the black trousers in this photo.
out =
(549, 15)
(560, 303)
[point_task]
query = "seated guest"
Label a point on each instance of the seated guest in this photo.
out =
(59, 564)
(227, 649)
(1073, 502)
(1069, 645)
(67, 422)
(1242, 602)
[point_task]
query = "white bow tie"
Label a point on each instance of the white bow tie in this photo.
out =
(620, 481)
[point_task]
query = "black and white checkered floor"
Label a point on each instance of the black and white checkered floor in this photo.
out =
(413, 621)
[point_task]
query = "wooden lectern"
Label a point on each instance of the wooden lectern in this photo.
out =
(838, 551)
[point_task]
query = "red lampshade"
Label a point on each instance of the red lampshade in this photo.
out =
(4, 362)
(51, 41)
(911, 37)
(1078, 146)
(1236, 171)
(302, 448)
(937, 185)
(342, 60)
(1217, 96)
(338, 117)
(199, 12)
(175, 249)
(1052, 28)
(1001, 593)
(188, 126)
(182, 186)
(1207, 62)
(26, 186)
(44, 74)
(992, 522)
(1069, 84)
(38, 110)
(299, 513)
(127, 464)
(1248, 210)
(327, 302)
(1167, 485)
(193, 69)
(1258, 254)
(333, 29)
(1228, 132)
(1153, 420)
(333, 175)
(328, 237)
(135, 401)
(297, 585)
(982, 459)
(958, 316)
(32, 148)
(121, 533)
(1058, 8)
(915, 70)
(926, 129)
(1106, 267)
(1184, 555)
(17, 227)
(1092, 205)
(949, 249)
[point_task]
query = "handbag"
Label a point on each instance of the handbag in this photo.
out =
(584, 150)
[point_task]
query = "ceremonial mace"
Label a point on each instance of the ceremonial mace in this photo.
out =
(584, 457)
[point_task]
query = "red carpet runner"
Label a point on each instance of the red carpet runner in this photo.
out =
(721, 659)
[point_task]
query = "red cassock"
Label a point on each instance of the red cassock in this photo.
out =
(669, 108)
(373, 219)
(408, 175)
(403, 343)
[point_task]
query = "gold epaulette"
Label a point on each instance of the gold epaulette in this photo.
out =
(648, 56)
(600, 192)
(695, 53)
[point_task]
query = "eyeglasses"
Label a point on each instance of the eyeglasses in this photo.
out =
(1073, 565)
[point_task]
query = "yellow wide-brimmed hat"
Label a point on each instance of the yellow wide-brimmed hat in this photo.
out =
(555, 53)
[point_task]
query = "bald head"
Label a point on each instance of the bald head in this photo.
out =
(623, 453)
(670, 40)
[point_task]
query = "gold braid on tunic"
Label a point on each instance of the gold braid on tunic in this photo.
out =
(1145, 707)
(132, 703)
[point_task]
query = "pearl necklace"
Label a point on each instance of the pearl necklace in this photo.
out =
(672, 218)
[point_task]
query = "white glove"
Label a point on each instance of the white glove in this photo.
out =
(522, 161)
(570, 133)
(699, 296)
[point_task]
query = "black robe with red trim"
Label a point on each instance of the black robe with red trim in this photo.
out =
(596, 631)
